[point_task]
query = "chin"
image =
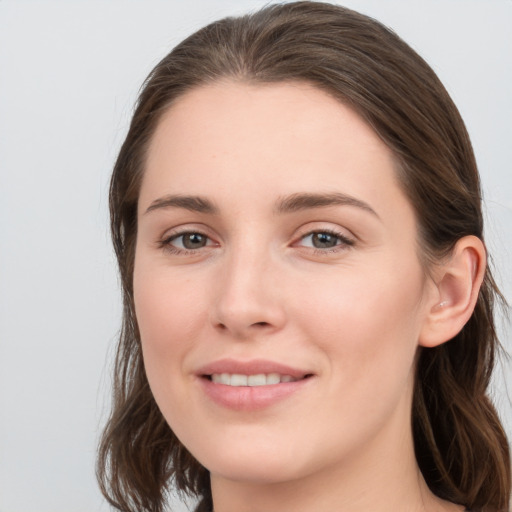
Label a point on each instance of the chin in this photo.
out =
(258, 472)
(257, 462)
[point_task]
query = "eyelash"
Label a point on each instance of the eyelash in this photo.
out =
(344, 242)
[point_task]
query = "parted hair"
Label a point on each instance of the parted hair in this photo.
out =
(460, 445)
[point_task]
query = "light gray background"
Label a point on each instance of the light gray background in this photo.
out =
(69, 73)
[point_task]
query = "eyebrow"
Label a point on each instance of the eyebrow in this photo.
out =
(288, 204)
(306, 201)
(192, 203)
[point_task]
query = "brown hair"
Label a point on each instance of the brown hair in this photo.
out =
(460, 444)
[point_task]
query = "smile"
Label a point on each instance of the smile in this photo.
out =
(260, 379)
(251, 385)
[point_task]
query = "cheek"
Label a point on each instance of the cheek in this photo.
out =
(365, 328)
(170, 316)
(368, 322)
(166, 305)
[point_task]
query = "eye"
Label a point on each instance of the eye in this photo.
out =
(325, 239)
(187, 241)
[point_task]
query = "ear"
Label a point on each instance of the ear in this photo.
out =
(454, 292)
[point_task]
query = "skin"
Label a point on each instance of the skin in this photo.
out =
(353, 315)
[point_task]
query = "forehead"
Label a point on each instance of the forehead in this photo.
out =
(257, 118)
(260, 141)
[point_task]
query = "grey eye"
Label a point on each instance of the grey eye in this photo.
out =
(325, 240)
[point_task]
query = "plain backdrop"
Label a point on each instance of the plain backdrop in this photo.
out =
(69, 74)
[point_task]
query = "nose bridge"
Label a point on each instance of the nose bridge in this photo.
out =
(247, 298)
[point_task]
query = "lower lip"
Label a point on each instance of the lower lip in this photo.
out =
(251, 398)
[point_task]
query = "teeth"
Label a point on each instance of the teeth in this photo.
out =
(256, 380)
(273, 378)
(260, 379)
(238, 380)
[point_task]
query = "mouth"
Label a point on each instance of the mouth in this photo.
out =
(252, 385)
(254, 380)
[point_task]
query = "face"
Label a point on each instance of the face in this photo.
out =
(278, 290)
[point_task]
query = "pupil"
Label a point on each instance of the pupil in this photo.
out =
(324, 240)
(194, 241)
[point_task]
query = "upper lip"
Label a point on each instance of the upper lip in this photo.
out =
(251, 367)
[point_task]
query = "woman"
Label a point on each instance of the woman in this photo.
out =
(296, 215)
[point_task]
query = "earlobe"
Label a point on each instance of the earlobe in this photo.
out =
(457, 284)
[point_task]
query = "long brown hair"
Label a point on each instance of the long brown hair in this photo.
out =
(460, 444)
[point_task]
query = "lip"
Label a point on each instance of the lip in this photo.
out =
(251, 367)
(248, 398)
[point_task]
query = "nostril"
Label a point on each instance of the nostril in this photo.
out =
(261, 324)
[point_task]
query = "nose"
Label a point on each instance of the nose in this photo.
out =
(248, 301)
